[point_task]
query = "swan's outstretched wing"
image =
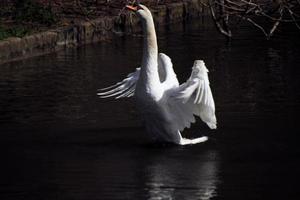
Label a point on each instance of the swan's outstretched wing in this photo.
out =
(166, 72)
(194, 97)
(124, 88)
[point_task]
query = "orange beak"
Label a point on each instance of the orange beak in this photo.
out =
(132, 8)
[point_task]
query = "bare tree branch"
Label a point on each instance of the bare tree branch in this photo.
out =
(217, 23)
(229, 13)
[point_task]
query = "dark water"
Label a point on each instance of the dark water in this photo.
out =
(59, 141)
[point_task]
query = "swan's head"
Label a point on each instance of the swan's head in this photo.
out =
(142, 11)
(199, 67)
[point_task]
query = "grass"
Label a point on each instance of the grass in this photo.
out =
(27, 15)
(17, 31)
(29, 11)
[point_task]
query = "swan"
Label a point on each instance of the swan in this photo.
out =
(166, 107)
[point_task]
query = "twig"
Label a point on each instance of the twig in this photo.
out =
(275, 24)
(221, 29)
(221, 10)
(295, 21)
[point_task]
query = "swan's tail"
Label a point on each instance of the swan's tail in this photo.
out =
(185, 141)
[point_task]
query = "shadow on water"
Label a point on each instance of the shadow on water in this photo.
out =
(59, 141)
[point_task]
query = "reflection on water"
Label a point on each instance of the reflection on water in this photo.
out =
(109, 171)
(59, 141)
(198, 181)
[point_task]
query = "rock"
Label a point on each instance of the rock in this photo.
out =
(5, 50)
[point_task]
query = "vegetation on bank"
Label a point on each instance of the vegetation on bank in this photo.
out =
(15, 31)
(32, 12)
(22, 17)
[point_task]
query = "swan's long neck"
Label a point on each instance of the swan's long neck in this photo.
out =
(149, 68)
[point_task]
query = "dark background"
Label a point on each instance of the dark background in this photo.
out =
(59, 141)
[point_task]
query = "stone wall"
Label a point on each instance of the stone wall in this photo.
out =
(99, 29)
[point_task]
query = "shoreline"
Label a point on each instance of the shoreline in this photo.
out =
(92, 31)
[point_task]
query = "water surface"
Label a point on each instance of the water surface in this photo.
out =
(59, 141)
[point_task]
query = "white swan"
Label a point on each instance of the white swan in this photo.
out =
(165, 106)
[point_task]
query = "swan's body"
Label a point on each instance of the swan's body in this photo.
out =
(166, 106)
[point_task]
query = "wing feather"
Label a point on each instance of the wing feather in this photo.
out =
(194, 97)
(166, 72)
(124, 88)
